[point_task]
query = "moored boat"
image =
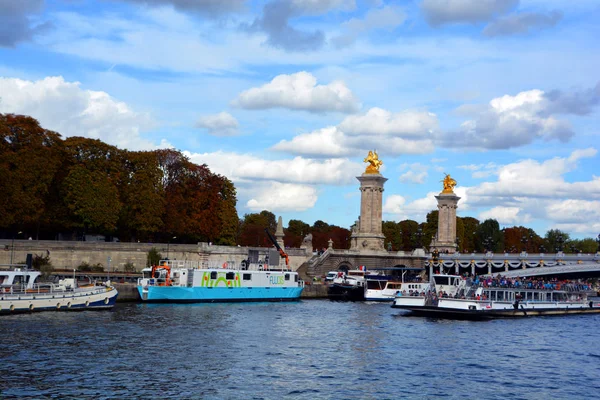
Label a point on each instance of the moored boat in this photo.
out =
(22, 292)
(463, 299)
(175, 281)
(385, 288)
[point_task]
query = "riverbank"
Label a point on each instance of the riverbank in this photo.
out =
(128, 292)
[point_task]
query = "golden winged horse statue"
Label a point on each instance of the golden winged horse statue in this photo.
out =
(449, 184)
(374, 163)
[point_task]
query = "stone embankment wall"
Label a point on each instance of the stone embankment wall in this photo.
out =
(69, 255)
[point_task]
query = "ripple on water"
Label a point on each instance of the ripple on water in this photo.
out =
(303, 350)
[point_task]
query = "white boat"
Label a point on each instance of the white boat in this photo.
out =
(451, 296)
(22, 292)
(385, 288)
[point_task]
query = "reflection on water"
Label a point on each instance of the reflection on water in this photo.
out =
(301, 350)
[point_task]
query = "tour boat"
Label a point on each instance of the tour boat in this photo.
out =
(198, 282)
(451, 296)
(385, 288)
(22, 292)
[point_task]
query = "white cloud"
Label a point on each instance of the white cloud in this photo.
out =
(221, 124)
(378, 121)
(439, 12)
(71, 111)
(316, 7)
(246, 167)
(326, 142)
(505, 215)
(299, 91)
(530, 178)
(282, 197)
(511, 121)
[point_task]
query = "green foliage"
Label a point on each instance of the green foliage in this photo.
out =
(392, 232)
(129, 267)
(153, 257)
(87, 267)
(42, 264)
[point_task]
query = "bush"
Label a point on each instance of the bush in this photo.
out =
(129, 267)
(87, 267)
(153, 257)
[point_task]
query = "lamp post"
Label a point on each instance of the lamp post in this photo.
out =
(560, 240)
(598, 241)
(418, 236)
(168, 244)
(12, 247)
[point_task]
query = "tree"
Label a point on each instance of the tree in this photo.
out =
(469, 239)
(489, 236)
(29, 159)
(295, 232)
(253, 229)
(392, 232)
(153, 257)
(555, 239)
(227, 213)
(142, 195)
(408, 228)
(92, 199)
(430, 228)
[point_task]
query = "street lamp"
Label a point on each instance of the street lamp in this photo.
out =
(418, 236)
(598, 241)
(560, 240)
(168, 244)
(12, 247)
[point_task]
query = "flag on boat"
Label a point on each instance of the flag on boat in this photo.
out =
(362, 268)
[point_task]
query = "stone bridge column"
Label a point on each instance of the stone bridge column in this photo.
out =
(367, 235)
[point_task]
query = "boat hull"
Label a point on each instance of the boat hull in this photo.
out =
(175, 294)
(486, 314)
(95, 299)
(345, 292)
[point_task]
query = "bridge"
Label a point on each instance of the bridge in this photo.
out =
(513, 265)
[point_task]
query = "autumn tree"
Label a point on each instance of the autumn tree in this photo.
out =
(29, 159)
(295, 232)
(253, 229)
(142, 195)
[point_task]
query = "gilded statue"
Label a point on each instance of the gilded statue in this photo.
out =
(449, 184)
(374, 163)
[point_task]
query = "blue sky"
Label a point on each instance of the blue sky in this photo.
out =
(286, 98)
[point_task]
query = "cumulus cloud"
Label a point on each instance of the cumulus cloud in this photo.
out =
(406, 132)
(382, 122)
(573, 215)
(397, 208)
(282, 197)
(221, 124)
(205, 7)
(539, 180)
(326, 142)
(440, 12)
(299, 91)
(506, 215)
(15, 23)
(521, 23)
(388, 17)
(245, 167)
(66, 108)
(513, 121)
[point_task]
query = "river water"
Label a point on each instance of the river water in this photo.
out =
(311, 349)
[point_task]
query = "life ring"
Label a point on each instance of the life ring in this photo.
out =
(225, 265)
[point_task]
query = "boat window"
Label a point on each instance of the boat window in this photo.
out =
(287, 277)
(295, 278)
(229, 276)
(441, 280)
(213, 275)
(247, 277)
(2, 278)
